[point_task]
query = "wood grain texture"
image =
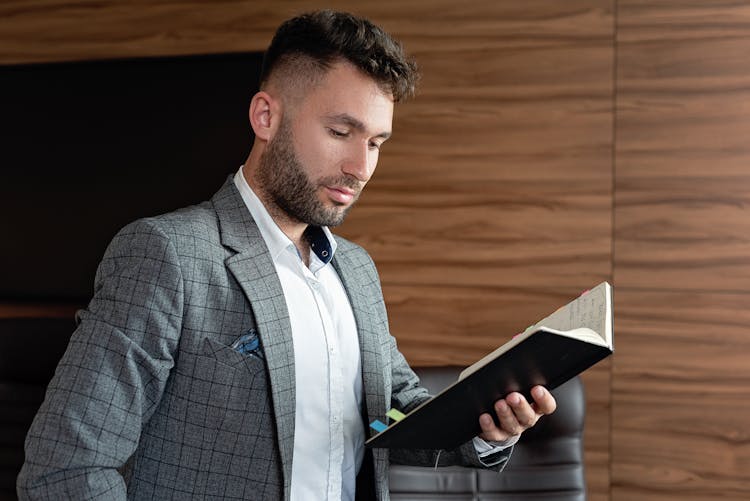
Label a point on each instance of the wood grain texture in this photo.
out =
(681, 402)
(38, 310)
(60, 30)
(682, 274)
(447, 336)
(596, 433)
(66, 30)
(492, 204)
(683, 122)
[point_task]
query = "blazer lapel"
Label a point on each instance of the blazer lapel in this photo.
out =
(254, 270)
(369, 339)
(377, 384)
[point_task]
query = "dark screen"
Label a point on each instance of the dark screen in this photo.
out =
(89, 147)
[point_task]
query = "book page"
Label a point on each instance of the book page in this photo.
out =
(582, 334)
(588, 310)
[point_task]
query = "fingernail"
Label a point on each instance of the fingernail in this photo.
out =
(538, 392)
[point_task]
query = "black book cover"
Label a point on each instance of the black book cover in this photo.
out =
(541, 356)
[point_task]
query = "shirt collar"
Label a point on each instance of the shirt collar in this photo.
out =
(321, 239)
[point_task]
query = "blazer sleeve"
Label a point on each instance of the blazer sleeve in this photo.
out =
(112, 375)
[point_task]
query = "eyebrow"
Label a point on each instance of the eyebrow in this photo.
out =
(352, 122)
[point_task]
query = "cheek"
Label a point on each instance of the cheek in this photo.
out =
(319, 159)
(309, 150)
(326, 154)
(320, 154)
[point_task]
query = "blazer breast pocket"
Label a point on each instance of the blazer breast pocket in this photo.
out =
(249, 344)
(221, 393)
(231, 356)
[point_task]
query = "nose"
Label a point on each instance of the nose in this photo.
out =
(360, 162)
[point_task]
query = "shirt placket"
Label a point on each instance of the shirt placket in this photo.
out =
(335, 387)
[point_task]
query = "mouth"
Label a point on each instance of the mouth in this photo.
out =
(341, 194)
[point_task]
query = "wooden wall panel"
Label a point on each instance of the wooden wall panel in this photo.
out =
(492, 204)
(680, 408)
(436, 316)
(681, 399)
(38, 310)
(65, 30)
(596, 433)
(683, 123)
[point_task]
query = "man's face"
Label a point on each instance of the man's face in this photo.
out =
(320, 158)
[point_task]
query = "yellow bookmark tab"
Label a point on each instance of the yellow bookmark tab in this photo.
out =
(395, 414)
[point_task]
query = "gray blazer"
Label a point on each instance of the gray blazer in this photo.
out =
(150, 401)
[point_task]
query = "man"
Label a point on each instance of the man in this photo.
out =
(236, 349)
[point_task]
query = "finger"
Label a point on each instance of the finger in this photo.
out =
(525, 414)
(544, 402)
(507, 417)
(490, 431)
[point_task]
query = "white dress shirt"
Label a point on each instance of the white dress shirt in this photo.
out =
(329, 433)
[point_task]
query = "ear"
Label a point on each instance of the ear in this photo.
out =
(265, 114)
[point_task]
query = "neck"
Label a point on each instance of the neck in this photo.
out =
(291, 227)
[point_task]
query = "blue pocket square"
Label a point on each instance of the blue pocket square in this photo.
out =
(248, 344)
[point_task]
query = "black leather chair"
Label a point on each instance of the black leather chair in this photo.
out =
(547, 463)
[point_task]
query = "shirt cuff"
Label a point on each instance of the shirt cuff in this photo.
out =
(485, 449)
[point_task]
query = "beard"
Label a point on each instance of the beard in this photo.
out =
(284, 180)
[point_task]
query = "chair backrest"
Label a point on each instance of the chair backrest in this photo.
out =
(547, 462)
(30, 349)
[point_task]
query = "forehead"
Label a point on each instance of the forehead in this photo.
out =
(345, 90)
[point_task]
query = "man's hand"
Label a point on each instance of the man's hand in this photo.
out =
(516, 415)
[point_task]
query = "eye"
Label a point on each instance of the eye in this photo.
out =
(337, 133)
(374, 145)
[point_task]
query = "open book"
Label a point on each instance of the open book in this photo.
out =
(549, 353)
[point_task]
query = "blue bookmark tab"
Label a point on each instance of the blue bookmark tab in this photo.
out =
(378, 426)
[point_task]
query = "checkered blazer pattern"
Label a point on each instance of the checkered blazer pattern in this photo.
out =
(150, 401)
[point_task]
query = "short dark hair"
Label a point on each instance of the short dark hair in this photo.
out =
(325, 37)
